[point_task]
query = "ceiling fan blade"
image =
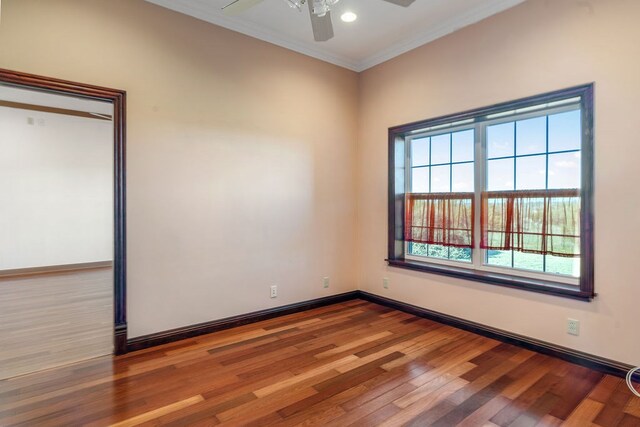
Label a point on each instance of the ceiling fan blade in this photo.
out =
(321, 25)
(238, 6)
(403, 3)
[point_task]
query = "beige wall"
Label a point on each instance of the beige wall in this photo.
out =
(240, 154)
(243, 167)
(539, 46)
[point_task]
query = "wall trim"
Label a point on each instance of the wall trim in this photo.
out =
(185, 332)
(201, 9)
(55, 110)
(597, 363)
(119, 100)
(420, 38)
(591, 361)
(54, 269)
(120, 345)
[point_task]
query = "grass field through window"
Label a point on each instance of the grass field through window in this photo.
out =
(524, 261)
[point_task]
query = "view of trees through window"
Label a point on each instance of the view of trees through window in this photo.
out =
(526, 152)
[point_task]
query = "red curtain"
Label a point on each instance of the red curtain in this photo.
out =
(440, 219)
(533, 221)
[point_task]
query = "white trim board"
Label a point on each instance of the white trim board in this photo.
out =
(199, 10)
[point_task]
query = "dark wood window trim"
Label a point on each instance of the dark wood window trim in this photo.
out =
(118, 99)
(396, 243)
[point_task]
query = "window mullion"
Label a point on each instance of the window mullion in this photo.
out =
(479, 183)
(408, 181)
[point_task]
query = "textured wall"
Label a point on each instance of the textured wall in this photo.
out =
(243, 170)
(536, 47)
(240, 154)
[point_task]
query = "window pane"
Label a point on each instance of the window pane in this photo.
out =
(531, 173)
(462, 178)
(418, 248)
(564, 131)
(420, 180)
(440, 149)
(500, 140)
(531, 136)
(420, 152)
(440, 179)
(460, 254)
(499, 258)
(563, 265)
(564, 170)
(438, 251)
(527, 261)
(500, 175)
(463, 146)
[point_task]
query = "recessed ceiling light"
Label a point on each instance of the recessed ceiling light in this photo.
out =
(349, 17)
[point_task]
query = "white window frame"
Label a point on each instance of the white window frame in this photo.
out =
(480, 125)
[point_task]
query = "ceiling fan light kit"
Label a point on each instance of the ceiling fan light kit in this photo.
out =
(319, 10)
(348, 17)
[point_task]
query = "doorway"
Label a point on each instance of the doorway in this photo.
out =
(62, 223)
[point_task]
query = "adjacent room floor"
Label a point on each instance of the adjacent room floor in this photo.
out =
(353, 363)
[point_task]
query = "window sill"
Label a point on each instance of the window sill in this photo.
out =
(515, 282)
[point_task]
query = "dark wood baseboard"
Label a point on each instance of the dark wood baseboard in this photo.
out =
(580, 358)
(120, 340)
(177, 334)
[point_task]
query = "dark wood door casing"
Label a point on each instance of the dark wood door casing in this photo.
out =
(118, 99)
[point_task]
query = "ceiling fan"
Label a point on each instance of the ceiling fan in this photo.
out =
(320, 11)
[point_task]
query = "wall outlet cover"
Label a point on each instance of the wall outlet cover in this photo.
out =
(573, 327)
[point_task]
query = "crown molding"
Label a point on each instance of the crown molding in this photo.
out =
(445, 28)
(199, 9)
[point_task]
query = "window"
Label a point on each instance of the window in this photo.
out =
(501, 194)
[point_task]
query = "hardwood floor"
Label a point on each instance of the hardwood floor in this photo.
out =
(53, 319)
(353, 363)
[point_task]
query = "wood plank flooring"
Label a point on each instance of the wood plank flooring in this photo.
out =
(53, 319)
(353, 363)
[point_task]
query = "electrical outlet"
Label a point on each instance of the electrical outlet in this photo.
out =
(573, 327)
(274, 291)
(385, 282)
(325, 282)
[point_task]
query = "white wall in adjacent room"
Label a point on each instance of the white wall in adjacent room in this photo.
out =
(56, 189)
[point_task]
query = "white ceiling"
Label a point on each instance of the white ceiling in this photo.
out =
(382, 31)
